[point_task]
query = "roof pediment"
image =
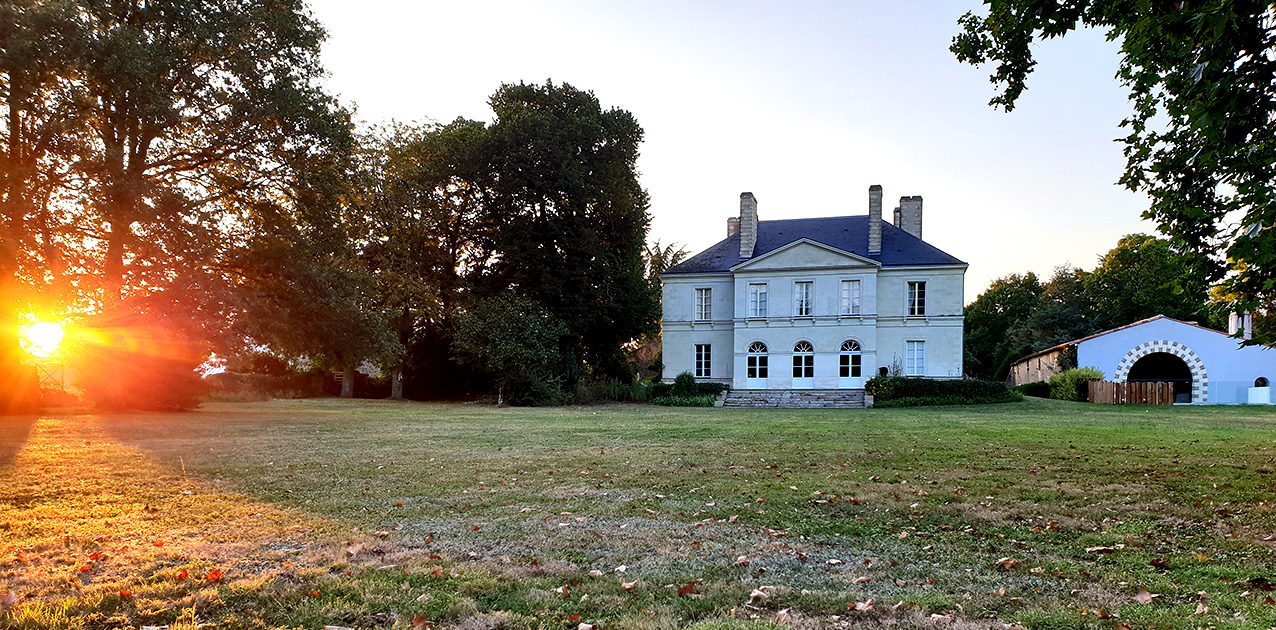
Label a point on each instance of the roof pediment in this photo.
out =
(805, 253)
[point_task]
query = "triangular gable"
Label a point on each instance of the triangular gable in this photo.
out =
(804, 253)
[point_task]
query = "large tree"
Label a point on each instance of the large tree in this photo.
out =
(1007, 301)
(1136, 280)
(1201, 136)
(569, 217)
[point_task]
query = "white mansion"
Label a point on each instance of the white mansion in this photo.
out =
(815, 303)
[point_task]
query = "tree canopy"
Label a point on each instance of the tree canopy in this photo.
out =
(1201, 137)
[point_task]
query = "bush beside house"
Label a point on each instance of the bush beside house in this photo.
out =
(895, 391)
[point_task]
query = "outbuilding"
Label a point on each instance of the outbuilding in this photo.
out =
(1206, 366)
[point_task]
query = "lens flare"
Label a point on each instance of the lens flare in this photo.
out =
(41, 339)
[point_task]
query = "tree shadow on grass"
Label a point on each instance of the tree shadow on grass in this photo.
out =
(14, 432)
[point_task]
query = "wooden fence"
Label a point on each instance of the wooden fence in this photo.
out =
(1109, 393)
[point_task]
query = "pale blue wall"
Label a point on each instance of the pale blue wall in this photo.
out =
(1230, 369)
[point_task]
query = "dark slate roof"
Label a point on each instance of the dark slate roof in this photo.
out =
(899, 248)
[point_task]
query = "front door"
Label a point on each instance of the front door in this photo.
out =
(756, 366)
(849, 366)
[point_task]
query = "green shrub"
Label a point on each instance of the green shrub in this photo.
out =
(695, 400)
(592, 392)
(1039, 389)
(1071, 384)
(888, 387)
(930, 401)
(660, 390)
(895, 391)
(684, 385)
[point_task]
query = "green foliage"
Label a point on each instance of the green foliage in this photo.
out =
(590, 392)
(896, 391)
(1006, 396)
(1071, 384)
(990, 316)
(1039, 389)
(1201, 140)
(1136, 280)
(520, 343)
(684, 385)
(570, 218)
(694, 400)
(703, 389)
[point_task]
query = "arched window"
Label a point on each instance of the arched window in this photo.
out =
(803, 360)
(1260, 381)
(848, 365)
(757, 360)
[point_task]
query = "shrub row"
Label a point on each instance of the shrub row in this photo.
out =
(890, 387)
(1039, 390)
(684, 401)
(660, 390)
(1072, 384)
(927, 401)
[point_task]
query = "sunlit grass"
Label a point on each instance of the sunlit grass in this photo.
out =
(372, 514)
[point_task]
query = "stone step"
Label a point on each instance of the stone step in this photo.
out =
(799, 399)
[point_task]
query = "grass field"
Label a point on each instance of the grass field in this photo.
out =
(364, 514)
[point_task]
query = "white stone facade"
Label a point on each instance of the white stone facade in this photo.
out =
(886, 329)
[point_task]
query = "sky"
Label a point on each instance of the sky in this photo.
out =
(805, 104)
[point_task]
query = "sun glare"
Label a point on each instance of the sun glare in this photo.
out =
(41, 339)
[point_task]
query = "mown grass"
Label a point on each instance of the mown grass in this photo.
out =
(376, 514)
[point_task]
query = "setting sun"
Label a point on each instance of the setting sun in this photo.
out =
(41, 339)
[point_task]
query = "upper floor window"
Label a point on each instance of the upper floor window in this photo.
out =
(704, 304)
(801, 299)
(757, 300)
(850, 297)
(915, 359)
(916, 298)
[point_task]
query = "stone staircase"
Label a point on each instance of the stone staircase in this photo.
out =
(796, 399)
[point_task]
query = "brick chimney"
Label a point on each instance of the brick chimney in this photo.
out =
(908, 216)
(875, 219)
(748, 224)
(733, 226)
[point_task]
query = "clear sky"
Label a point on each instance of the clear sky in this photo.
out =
(805, 104)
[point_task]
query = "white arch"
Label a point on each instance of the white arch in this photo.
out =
(1200, 380)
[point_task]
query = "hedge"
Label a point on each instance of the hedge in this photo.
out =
(684, 401)
(1039, 389)
(894, 391)
(661, 390)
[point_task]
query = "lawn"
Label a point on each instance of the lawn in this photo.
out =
(376, 514)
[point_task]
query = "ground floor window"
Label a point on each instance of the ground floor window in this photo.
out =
(757, 360)
(915, 359)
(849, 361)
(703, 360)
(803, 360)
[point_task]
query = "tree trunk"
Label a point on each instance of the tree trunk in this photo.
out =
(347, 381)
(396, 384)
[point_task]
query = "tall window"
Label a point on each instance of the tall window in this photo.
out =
(850, 297)
(801, 299)
(916, 298)
(704, 304)
(757, 360)
(757, 300)
(849, 360)
(703, 360)
(915, 359)
(803, 360)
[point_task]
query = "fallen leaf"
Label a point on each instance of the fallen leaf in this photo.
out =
(126, 593)
(628, 586)
(756, 596)
(595, 573)
(832, 561)
(213, 576)
(621, 569)
(1144, 597)
(182, 575)
(783, 616)
(999, 592)
(7, 600)
(1099, 550)
(1159, 563)
(1005, 564)
(861, 606)
(158, 543)
(585, 626)
(1201, 609)
(96, 555)
(862, 579)
(742, 561)
(419, 622)
(687, 590)
(84, 568)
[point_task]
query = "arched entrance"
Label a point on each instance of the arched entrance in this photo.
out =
(1164, 360)
(1163, 367)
